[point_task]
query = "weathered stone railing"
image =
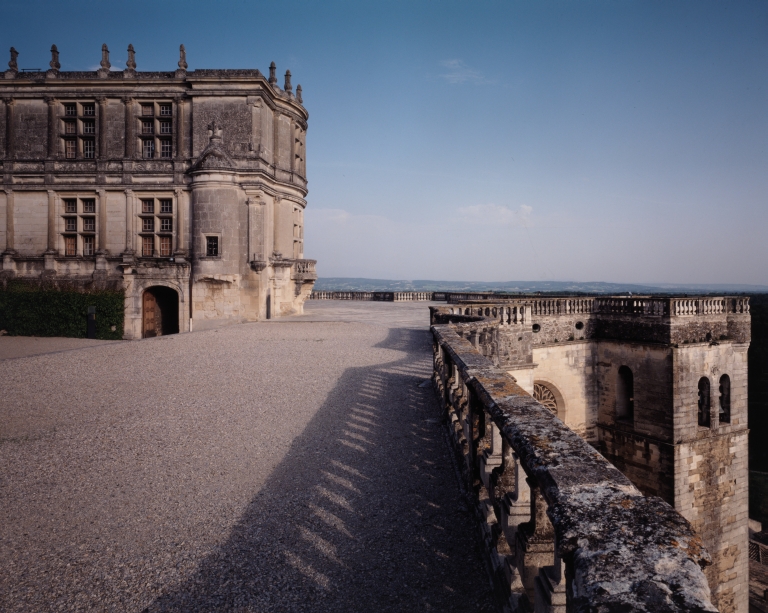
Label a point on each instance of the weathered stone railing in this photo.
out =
(379, 296)
(564, 529)
(304, 267)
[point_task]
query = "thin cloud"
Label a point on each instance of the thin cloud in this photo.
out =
(495, 215)
(458, 72)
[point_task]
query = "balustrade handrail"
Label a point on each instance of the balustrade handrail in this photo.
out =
(622, 551)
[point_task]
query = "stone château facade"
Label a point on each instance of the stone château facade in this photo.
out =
(185, 188)
(657, 385)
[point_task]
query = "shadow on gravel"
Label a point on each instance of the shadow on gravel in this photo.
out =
(363, 514)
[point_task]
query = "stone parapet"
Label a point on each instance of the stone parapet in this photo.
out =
(564, 529)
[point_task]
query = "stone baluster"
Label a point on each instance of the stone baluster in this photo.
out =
(535, 543)
(550, 596)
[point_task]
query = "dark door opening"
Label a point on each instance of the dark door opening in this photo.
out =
(160, 311)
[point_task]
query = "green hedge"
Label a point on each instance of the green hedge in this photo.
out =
(28, 310)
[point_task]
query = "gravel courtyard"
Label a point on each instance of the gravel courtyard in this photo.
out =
(291, 465)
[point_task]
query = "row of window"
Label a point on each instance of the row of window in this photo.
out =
(625, 398)
(156, 230)
(155, 128)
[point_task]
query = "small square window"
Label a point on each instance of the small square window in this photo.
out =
(70, 148)
(70, 110)
(166, 224)
(148, 148)
(166, 150)
(147, 110)
(70, 127)
(89, 126)
(70, 224)
(89, 205)
(89, 149)
(70, 205)
(147, 127)
(89, 110)
(165, 127)
(88, 243)
(165, 246)
(147, 246)
(212, 246)
(70, 246)
(148, 224)
(166, 205)
(165, 110)
(89, 224)
(148, 206)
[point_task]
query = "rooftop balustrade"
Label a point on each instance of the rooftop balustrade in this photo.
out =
(564, 529)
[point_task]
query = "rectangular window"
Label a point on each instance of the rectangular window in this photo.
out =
(147, 246)
(88, 242)
(166, 224)
(212, 246)
(89, 205)
(148, 224)
(165, 246)
(165, 110)
(89, 224)
(89, 149)
(70, 110)
(70, 224)
(166, 205)
(70, 246)
(147, 206)
(147, 110)
(148, 148)
(89, 110)
(165, 127)
(70, 205)
(166, 150)
(89, 126)
(70, 148)
(70, 127)
(148, 127)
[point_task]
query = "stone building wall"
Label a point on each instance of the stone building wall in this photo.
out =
(668, 344)
(225, 147)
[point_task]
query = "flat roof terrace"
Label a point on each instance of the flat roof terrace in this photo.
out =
(290, 465)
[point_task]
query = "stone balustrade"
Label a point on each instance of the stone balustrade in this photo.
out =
(563, 529)
(378, 296)
(304, 267)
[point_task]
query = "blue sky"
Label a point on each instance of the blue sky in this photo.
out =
(489, 141)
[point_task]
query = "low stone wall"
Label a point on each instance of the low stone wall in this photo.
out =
(564, 530)
(379, 296)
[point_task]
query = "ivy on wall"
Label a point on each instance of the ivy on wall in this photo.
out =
(26, 309)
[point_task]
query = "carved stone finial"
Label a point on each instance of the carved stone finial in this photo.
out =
(131, 63)
(287, 87)
(214, 131)
(272, 77)
(298, 93)
(13, 64)
(54, 63)
(105, 65)
(182, 57)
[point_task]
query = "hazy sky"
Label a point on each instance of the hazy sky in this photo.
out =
(489, 141)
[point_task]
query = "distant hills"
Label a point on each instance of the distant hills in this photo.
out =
(351, 284)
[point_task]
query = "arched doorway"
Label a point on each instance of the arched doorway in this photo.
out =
(159, 311)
